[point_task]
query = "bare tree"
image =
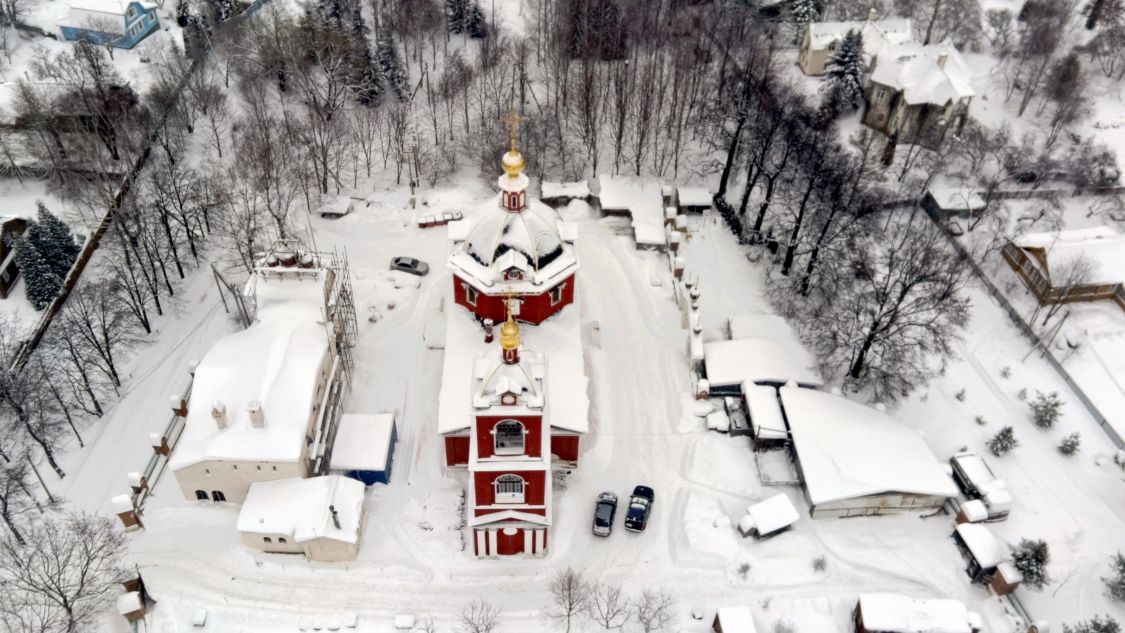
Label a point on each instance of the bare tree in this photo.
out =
(653, 610)
(1066, 88)
(478, 616)
(608, 606)
(93, 315)
(1065, 278)
(15, 494)
(570, 594)
(66, 572)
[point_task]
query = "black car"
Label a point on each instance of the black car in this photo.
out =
(640, 506)
(605, 508)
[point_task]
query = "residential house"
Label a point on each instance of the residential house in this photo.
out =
(320, 517)
(117, 23)
(917, 93)
(1034, 255)
(822, 39)
(10, 228)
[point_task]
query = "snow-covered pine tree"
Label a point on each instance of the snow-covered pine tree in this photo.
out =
(846, 69)
(224, 10)
(390, 62)
(802, 13)
(53, 240)
(456, 12)
(1003, 441)
(40, 283)
(1046, 409)
(475, 23)
(368, 77)
(1096, 624)
(1115, 581)
(1031, 559)
(1070, 444)
(183, 13)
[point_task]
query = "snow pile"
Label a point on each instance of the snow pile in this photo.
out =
(849, 450)
(708, 528)
(300, 508)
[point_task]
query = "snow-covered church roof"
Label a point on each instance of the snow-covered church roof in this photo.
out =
(493, 378)
(934, 74)
(275, 362)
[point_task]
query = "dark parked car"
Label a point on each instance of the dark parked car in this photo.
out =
(410, 265)
(640, 506)
(605, 508)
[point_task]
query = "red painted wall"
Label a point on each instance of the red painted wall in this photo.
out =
(534, 309)
(534, 491)
(565, 447)
(532, 439)
(456, 450)
(509, 545)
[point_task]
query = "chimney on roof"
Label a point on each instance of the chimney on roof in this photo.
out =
(219, 414)
(335, 517)
(257, 416)
(873, 14)
(941, 60)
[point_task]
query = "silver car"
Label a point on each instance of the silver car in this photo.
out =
(410, 265)
(604, 510)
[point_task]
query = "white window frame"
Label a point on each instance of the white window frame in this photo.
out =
(470, 294)
(510, 495)
(509, 450)
(881, 95)
(559, 290)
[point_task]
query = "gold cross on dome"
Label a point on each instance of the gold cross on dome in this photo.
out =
(513, 120)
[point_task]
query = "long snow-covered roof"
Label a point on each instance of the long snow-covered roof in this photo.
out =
(891, 613)
(300, 508)
(558, 340)
(876, 33)
(982, 544)
(849, 450)
(1102, 245)
(765, 411)
(922, 75)
(758, 360)
(642, 198)
(276, 362)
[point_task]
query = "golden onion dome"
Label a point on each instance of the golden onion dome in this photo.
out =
(510, 334)
(512, 163)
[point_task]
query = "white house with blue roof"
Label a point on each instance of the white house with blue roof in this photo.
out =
(117, 23)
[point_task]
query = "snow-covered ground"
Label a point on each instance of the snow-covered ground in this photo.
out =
(642, 431)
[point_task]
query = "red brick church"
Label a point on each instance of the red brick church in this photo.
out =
(512, 413)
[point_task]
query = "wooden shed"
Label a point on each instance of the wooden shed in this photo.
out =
(980, 549)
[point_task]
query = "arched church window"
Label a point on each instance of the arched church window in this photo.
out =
(509, 436)
(509, 489)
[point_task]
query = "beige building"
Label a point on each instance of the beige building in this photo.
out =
(821, 39)
(320, 517)
(264, 400)
(918, 92)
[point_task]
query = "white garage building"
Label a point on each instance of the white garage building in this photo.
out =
(855, 460)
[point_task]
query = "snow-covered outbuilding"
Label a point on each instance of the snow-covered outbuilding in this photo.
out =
(765, 420)
(1035, 255)
(768, 518)
(892, 613)
(642, 199)
(760, 361)
(557, 194)
(855, 460)
(821, 39)
(733, 620)
(694, 199)
(365, 447)
(946, 203)
(320, 517)
(117, 23)
(987, 559)
(264, 400)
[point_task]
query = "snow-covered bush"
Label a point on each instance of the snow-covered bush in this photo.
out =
(1022, 394)
(743, 570)
(960, 395)
(1070, 444)
(1115, 582)
(980, 420)
(1003, 441)
(1046, 409)
(1097, 624)
(820, 563)
(1031, 559)
(784, 626)
(1006, 372)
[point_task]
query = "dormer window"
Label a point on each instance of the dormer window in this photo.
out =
(509, 437)
(509, 489)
